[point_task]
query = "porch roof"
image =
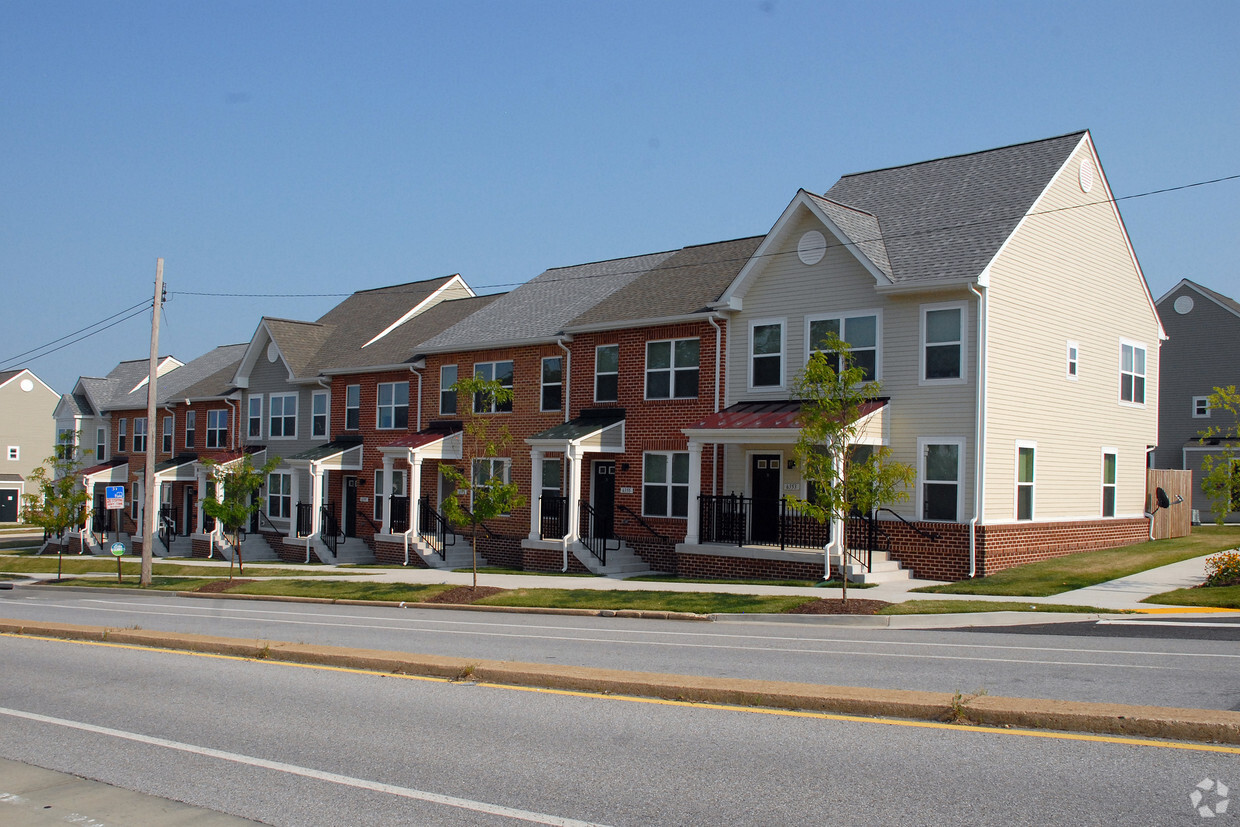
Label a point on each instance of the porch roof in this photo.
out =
(344, 454)
(442, 440)
(772, 422)
(435, 432)
(172, 469)
(599, 429)
(114, 470)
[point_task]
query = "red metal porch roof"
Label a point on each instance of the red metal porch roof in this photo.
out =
(745, 416)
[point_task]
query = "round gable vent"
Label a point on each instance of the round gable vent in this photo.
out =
(27, 385)
(273, 352)
(1087, 175)
(1183, 305)
(811, 248)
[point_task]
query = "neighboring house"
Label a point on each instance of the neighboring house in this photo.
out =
(27, 436)
(1202, 353)
(996, 297)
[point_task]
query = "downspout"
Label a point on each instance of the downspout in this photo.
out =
(714, 462)
(235, 418)
(568, 377)
(414, 371)
(979, 428)
(413, 507)
(310, 537)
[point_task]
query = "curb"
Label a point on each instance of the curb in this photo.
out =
(1200, 725)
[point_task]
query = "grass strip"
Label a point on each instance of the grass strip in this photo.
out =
(1211, 597)
(660, 601)
(1088, 568)
(796, 584)
(941, 607)
(501, 570)
(77, 564)
(407, 592)
(175, 584)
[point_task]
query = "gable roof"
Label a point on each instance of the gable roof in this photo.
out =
(1225, 302)
(208, 376)
(123, 384)
(8, 376)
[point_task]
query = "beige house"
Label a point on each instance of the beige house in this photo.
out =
(27, 436)
(997, 299)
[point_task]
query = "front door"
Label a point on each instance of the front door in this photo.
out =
(191, 510)
(8, 505)
(350, 506)
(603, 494)
(764, 476)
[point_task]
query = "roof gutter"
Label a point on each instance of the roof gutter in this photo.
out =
(979, 422)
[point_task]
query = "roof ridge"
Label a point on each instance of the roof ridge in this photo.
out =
(407, 284)
(966, 154)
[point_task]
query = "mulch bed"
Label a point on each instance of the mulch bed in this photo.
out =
(464, 594)
(839, 607)
(224, 585)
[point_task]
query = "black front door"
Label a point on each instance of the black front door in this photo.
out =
(8, 505)
(350, 506)
(603, 493)
(191, 510)
(764, 473)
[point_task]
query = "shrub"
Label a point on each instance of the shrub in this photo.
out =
(1223, 569)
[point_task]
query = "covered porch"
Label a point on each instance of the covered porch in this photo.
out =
(98, 523)
(319, 518)
(407, 513)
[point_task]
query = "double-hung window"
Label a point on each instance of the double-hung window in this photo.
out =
(397, 489)
(493, 372)
(191, 428)
(279, 495)
(101, 444)
(447, 390)
(139, 434)
(15, 452)
(607, 373)
(861, 333)
(1025, 456)
(217, 428)
(64, 445)
(672, 369)
(1074, 360)
(320, 404)
(939, 472)
(393, 405)
(352, 407)
(552, 383)
(255, 422)
(943, 342)
(1132, 373)
(665, 484)
(122, 428)
(766, 354)
(1201, 407)
(490, 471)
(1109, 462)
(166, 436)
(283, 420)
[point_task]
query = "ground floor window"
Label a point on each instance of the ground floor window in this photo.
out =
(940, 480)
(490, 471)
(1024, 482)
(1108, 483)
(665, 484)
(279, 495)
(397, 489)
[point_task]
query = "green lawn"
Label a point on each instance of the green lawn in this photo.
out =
(938, 607)
(1213, 597)
(1088, 568)
(501, 570)
(407, 592)
(796, 584)
(697, 602)
(77, 564)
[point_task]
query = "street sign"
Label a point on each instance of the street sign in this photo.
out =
(118, 549)
(115, 495)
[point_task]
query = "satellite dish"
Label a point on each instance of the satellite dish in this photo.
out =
(1161, 497)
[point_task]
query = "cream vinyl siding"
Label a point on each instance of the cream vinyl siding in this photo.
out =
(785, 288)
(1067, 275)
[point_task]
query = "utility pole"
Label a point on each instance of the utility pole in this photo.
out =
(149, 529)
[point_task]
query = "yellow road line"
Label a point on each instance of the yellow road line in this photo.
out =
(787, 713)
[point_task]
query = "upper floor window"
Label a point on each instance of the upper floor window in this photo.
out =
(101, 444)
(217, 428)
(319, 407)
(393, 405)
(943, 342)
(15, 452)
(607, 373)
(66, 440)
(191, 426)
(860, 332)
(122, 428)
(1074, 354)
(166, 435)
(447, 390)
(766, 354)
(552, 383)
(1201, 407)
(492, 371)
(255, 429)
(1132, 373)
(139, 434)
(672, 369)
(283, 421)
(352, 407)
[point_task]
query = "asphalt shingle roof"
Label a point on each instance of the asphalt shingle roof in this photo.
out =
(210, 375)
(400, 345)
(946, 219)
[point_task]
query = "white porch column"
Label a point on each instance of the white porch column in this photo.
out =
(294, 494)
(836, 546)
(415, 489)
(200, 491)
(536, 484)
(573, 455)
(316, 500)
(694, 521)
(386, 493)
(219, 498)
(140, 496)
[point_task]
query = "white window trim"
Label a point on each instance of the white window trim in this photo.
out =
(223, 432)
(122, 432)
(543, 384)
(670, 370)
(1033, 484)
(283, 415)
(1102, 472)
(101, 444)
(146, 434)
(506, 463)
(783, 353)
(1073, 367)
(168, 420)
(669, 485)
(1119, 385)
(616, 373)
(249, 416)
(963, 307)
(1201, 407)
(400, 474)
(15, 452)
(188, 430)
(877, 313)
(271, 497)
(327, 414)
(445, 389)
(495, 406)
(379, 406)
(922, 444)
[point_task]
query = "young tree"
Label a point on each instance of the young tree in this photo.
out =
(833, 393)
(237, 504)
(489, 495)
(1221, 482)
(59, 500)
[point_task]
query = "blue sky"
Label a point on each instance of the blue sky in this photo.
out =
(307, 148)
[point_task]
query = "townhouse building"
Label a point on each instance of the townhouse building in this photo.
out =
(26, 434)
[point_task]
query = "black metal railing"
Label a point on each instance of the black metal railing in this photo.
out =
(305, 522)
(329, 529)
(724, 519)
(552, 517)
(374, 527)
(434, 529)
(398, 518)
(640, 520)
(733, 519)
(263, 518)
(596, 534)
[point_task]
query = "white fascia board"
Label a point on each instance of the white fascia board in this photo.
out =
(498, 345)
(415, 364)
(932, 286)
(743, 436)
(261, 336)
(429, 301)
(656, 321)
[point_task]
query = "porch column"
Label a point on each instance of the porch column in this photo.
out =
(200, 491)
(140, 496)
(415, 490)
(316, 500)
(694, 517)
(836, 546)
(219, 498)
(387, 494)
(573, 455)
(536, 484)
(294, 494)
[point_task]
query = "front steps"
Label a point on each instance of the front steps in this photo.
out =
(882, 569)
(460, 554)
(622, 562)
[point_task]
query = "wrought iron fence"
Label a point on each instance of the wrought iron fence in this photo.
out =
(733, 519)
(434, 529)
(596, 534)
(552, 516)
(399, 517)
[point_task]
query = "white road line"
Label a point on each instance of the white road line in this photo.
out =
(306, 772)
(1200, 623)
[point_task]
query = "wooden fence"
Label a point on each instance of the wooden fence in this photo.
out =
(1176, 519)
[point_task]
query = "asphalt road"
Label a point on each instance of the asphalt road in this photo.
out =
(286, 745)
(1176, 672)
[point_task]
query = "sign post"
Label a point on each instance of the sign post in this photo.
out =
(118, 551)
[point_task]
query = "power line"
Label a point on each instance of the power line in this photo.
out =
(141, 309)
(74, 333)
